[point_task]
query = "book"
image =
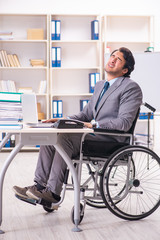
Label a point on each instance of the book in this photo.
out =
(16, 60)
(4, 59)
(1, 60)
(10, 60)
(42, 87)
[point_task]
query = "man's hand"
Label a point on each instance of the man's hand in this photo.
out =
(52, 120)
(88, 125)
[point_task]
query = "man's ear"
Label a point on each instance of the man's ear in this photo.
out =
(125, 70)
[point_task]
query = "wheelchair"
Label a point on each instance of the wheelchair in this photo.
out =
(119, 176)
(122, 177)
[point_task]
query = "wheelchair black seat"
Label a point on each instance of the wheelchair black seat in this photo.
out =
(101, 148)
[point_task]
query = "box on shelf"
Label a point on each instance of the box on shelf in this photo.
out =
(35, 34)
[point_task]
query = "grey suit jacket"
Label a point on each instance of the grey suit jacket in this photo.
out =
(117, 108)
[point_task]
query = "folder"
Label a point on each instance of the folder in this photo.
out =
(83, 103)
(92, 82)
(60, 108)
(58, 55)
(10, 97)
(95, 30)
(57, 30)
(97, 77)
(53, 30)
(54, 109)
(54, 57)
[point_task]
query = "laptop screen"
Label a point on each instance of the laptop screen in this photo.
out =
(29, 108)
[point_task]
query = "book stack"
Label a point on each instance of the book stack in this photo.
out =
(37, 62)
(6, 35)
(9, 60)
(10, 107)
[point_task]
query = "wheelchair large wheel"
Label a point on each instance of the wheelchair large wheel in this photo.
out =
(127, 195)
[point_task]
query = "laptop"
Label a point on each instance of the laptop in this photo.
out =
(29, 112)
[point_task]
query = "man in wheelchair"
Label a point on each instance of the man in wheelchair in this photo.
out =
(113, 106)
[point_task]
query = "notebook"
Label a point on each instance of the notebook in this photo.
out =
(29, 112)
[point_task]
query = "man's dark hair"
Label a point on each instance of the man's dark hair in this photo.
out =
(128, 56)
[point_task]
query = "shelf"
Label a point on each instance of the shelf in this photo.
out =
(76, 41)
(23, 68)
(72, 95)
(75, 68)
(24, 41)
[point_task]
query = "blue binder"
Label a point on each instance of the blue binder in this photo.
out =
(54, 109)
(83, 103)
(58, 57)
(92, 82)
(54, 56)
(58, 30)
(97, 77)
(95, 30)
(60, 108)
(53, 30)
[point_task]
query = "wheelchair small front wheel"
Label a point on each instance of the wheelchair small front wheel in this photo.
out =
(81, 213)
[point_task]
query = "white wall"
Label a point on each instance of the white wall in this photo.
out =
(124, 7)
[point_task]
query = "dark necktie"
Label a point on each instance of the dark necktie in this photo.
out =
(106, 86)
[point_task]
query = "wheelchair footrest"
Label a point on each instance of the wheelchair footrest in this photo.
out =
(34, 201)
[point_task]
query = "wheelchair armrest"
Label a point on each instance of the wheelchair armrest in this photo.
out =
(104, 131)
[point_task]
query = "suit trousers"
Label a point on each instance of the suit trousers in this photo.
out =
(51, 167)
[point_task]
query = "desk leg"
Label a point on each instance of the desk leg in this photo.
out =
(5, 139)
(76, 186)
(2, 174)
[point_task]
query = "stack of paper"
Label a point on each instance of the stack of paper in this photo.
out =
(6, 35)
(10, 107)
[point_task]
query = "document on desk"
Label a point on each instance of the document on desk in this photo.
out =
(40, 125)
(10, 126)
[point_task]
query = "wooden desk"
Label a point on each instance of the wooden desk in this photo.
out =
(42, 136)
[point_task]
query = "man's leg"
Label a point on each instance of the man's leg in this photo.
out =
(71, 145)
(45, 160)
(44, 164)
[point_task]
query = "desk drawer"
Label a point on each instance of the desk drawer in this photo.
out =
(38, 138)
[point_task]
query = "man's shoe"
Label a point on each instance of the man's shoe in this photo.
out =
(22, 191)
(44, 194)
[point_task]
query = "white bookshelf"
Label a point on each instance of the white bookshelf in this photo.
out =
(79, 56)
(133, 32)
(27, 76)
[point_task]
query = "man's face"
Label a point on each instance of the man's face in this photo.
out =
(115, 65)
